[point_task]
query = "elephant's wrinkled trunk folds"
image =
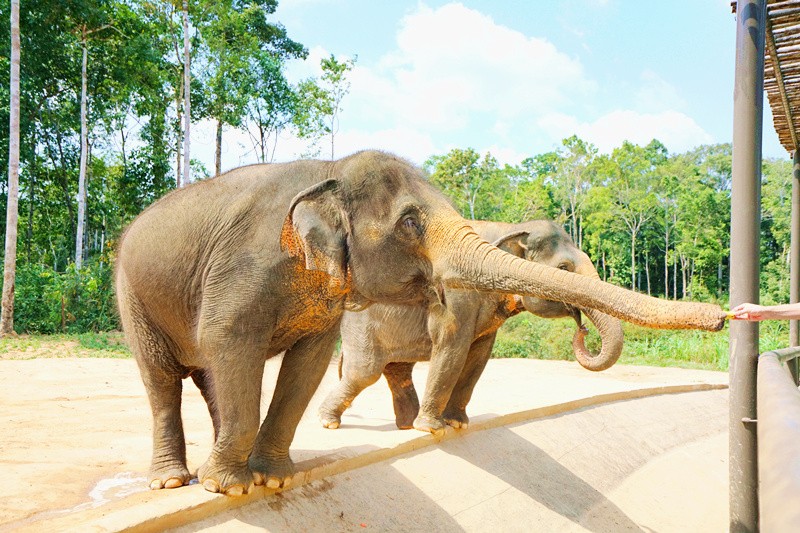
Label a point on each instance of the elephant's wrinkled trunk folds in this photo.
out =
(464, 260)
(611, 337)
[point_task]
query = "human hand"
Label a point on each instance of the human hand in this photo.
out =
(748, 311)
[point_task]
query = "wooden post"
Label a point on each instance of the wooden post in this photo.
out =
(794, 260)
(748, 98)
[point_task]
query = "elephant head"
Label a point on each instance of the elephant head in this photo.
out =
(547, 243)
(383, 233)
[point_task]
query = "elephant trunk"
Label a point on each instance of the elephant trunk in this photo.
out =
(463, 260)
(611, 336)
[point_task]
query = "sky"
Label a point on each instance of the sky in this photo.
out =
(514, 77)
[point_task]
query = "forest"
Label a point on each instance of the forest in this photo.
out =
(103, 134)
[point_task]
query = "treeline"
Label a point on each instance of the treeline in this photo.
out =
(651, 220)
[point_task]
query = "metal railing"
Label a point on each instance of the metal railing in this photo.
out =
(778, 401)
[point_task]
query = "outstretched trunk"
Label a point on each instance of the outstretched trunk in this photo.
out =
(466, 261)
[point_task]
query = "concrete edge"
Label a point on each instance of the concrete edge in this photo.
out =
(193, 503)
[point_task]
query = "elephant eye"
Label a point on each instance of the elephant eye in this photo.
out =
(410, 225)
(566, 266)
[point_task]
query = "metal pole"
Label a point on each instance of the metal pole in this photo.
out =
(748, 98)
(794, 260)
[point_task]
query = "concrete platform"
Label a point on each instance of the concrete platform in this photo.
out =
(550, 447)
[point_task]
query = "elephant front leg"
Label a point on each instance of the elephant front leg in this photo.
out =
(447, 361)
(236, 381)
(301, 372)
(404, 395)
(455, 414)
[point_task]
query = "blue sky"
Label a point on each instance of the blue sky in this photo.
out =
(514, 77)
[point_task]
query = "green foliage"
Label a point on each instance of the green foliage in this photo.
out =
(68, 302)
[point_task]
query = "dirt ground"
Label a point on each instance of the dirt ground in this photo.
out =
(76, 431)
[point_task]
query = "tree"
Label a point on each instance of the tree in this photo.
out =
(187, 96)
(335, 83)
(318, 103)
(10, 262)
(237, 37)
(571, 176)
(632, 189)
(273, 106)
(312, 106)
(474, 184)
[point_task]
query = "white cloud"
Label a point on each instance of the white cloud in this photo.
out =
(452, 63)
(676, 130)
(656, 94)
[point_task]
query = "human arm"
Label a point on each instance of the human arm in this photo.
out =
(755, 312)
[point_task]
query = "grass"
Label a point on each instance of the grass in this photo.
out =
(528, 336)
(523, 336)
(103, 345)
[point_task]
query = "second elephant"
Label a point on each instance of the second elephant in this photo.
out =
(390, 339)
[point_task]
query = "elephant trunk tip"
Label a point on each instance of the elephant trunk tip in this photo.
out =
(596, 363)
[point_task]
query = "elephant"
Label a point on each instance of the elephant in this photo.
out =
(218, 276)
(389, 339)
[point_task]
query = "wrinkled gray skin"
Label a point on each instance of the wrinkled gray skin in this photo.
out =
(216, 277)
(389, 339)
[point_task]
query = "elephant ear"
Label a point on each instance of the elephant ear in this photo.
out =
(514, 243)
(314, 231)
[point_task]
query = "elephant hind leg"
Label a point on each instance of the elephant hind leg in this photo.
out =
(162, 379)
(162, 374)
(404, 395)
(352, 381)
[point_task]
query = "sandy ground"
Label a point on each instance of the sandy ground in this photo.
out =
(76, 434)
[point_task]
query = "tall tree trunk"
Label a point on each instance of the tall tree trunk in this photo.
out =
(666, 257)
(31, 203)
(179, 140)
(684, 267)
(633, 261)
(675, 277)
(218, 152)
(10, 264)
(84, 158)
(605, 274)
(187, 115)
(647, 270)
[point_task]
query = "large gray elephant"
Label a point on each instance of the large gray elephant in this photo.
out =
(218, 276)
(389, 338)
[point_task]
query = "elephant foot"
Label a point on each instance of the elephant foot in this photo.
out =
(429, 425)
(405, 411)
(274, 473)
(328, 419)
(231, 481)
(170, 477)
(405, 421)
(456, 418)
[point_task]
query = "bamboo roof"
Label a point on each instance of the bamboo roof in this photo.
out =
(782, 69)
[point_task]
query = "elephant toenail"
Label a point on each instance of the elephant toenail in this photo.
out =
(210, 485)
